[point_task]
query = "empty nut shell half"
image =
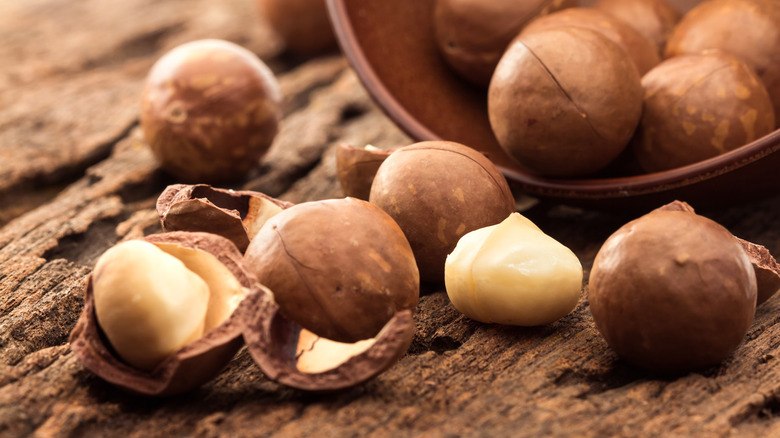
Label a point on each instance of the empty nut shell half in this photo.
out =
(194, 363)
(356, 168)
(235, 215)
(293, 356)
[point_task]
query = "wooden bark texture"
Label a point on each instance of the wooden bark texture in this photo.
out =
(76, 178)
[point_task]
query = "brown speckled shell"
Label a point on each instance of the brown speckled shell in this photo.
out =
(655, 19)
(193, 364)
(340, 268)
(749, 29)
(356, 168)
(212, 210)
(209, 111)
(564, 101)
(271, 340)
(641, 50)
(473, 34)
(438, 191)
(672, 292)
(697, 107)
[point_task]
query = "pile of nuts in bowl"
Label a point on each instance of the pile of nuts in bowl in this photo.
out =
(323, 293)
(627, 83)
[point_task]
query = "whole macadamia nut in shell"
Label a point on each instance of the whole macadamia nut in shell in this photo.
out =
(472, 34)
(641, 50)
(437, 191)
(697, 107)
(210, 110)
(672, 292)
(340, 268)
(655, 19)
(748, 29)
(564, 101)
(303, 25)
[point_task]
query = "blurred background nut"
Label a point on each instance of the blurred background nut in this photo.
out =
(513, 273)
(564, 101)
(303, 25)
(697, 107)
(340, 268)
(655, 19)
(158, 316)
(209, 111)
(437, 191)
(472, 34)
(641, 50)
(672, 292)
(748, 29)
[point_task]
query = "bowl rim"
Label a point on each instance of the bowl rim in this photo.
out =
(594, 188)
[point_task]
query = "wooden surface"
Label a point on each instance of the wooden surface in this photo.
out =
(76, 177)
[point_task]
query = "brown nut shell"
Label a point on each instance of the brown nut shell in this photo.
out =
(234, 214)
(655, 19)
(303, 25)
(472, 34)
(193, 364)
(564, 101)
(209, 110)
(764, 264)
(340, 268)
(437, 191)
(697, 107)
(274, 342)
(672, 292)
(639, 48)
(749, 29)
(356, 168)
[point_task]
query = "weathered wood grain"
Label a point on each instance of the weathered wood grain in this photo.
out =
(75, 178)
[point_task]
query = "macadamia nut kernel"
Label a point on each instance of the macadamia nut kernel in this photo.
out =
(147, 302)
(513, 273)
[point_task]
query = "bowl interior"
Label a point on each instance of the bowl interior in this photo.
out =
(392, 48)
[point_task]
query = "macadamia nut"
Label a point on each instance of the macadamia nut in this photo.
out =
(513, 273)
(672, 292)
(147, 302)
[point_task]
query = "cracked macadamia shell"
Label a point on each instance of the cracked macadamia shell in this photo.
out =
(655, 19)
(295, 357)
(340, 268)
(234, 214)
(513, 273)
(749, 29)
(356, 168)
(641, 50)
(438, 191)
(672, 292)
(219, 264)
(697, 107)
(209, 111)
(473, 34)
(564, 101)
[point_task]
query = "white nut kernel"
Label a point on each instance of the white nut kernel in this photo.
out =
(147, 302)
(513, 273)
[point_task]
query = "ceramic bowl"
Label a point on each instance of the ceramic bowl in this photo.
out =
(390, 45)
